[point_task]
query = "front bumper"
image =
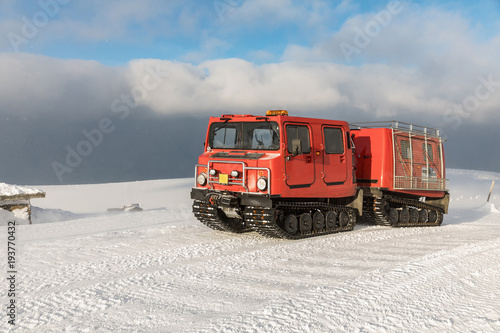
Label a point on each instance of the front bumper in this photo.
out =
(231, 199)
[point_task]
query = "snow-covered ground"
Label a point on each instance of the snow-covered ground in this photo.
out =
(161, 271)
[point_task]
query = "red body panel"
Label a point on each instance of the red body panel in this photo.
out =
(374, 164)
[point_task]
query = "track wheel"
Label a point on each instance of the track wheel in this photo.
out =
(423, 215)
(393, 216)
(414, 216)
(291, 224)
(305, 222)
(343, 219)
(318, 221)
(331, 219)
(433, 216)
(404, 215)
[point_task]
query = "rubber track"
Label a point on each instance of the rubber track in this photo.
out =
(209, 216)
(264, 222)
(374, 211)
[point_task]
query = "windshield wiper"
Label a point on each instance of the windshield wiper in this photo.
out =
(223, 125)
(270, 126)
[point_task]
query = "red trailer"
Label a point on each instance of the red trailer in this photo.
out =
(401, 169)
(295, 177)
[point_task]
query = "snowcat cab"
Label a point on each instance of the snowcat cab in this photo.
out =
(282, 176)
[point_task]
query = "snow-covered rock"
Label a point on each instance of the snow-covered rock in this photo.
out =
(8, 190)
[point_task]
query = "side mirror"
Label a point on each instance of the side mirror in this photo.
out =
(296, 147)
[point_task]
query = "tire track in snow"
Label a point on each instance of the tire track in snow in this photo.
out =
(115, 265)
(88, 287)
(110, 264)
(358, 301)
(215, 268)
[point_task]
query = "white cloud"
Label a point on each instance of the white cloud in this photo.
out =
(210, 47)
(261, 56)
(346, 6)
(308, 15)
(251, 11)
(239, 86)
(37, 84)
(100, 21)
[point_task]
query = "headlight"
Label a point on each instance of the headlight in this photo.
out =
(234, 173)
(212, 172)
(262, 183)
(202, 179)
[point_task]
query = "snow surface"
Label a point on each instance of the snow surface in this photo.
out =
(161, 271)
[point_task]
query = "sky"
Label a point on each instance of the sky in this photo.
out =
(126, 69)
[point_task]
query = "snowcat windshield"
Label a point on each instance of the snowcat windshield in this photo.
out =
(263, 135)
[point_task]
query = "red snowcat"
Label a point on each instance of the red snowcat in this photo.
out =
(295, 177)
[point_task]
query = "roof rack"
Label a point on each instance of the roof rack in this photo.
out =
(397, 125)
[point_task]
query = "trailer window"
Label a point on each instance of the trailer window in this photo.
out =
(405, 149)
(429, 152)
(298, 132)
(334, 142)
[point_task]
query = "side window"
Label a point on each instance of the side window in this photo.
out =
(298, 132)
(429, 152)
(405, 149)
(334, 140)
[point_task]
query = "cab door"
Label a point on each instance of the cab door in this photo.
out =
(299, 162)
(334, 161)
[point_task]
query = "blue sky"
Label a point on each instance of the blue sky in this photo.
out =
(114, 32)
